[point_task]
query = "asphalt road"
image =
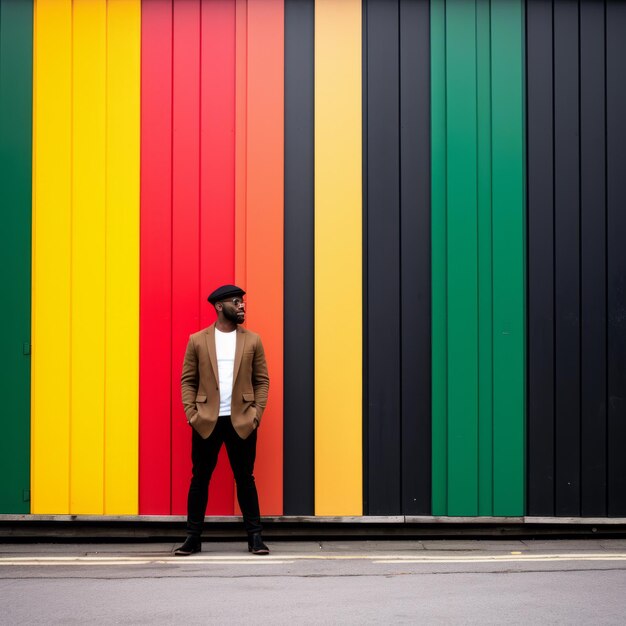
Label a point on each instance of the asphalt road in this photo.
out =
(340, 582)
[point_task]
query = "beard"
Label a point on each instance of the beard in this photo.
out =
(233, 316)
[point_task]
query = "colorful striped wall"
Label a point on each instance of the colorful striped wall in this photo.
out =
(422, 199)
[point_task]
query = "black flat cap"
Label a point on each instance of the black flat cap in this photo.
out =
(224, 292)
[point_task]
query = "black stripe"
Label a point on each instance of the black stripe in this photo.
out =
(567, 258)
(415, 254)
(383, 303)
(593, 259)
(540, 177)
(579, 443)
(298, 433)
(616, 195)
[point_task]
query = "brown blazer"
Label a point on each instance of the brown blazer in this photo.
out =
(200, 386)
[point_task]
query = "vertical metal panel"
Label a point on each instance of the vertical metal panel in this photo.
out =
(186, 299)
(540, 133)
(566, 259)
(156, 253)
(462, 258)
(485, 253)
(383, 412)
(478, 244)
(52, 202)
(415, 253)
(241, 136)
(121, 373)
(338, 258)
(439, 254)
(16, 90)
(593, 259)
(217, 188)
(616, 256)
(298, 472)
(364, 269)
(508, 257)
(87, 301)
(264, 228)
(241, 145)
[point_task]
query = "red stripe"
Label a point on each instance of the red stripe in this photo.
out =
(187, 221)
(155, 272)
(217, 188)
(185, 226)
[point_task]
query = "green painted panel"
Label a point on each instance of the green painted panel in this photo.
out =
(478, 257)
(462, 257)
(485, 300)
(16, 79)
(507, 69)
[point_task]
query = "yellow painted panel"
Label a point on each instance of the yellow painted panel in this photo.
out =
(52, 202)
(88, 256)
(338, 262)
(121, 478)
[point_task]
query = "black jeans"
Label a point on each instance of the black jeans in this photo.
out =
(241, 454)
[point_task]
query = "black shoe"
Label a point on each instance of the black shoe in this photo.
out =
(191, 546)
(256, 545)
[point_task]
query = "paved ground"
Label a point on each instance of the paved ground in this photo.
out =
(305, 582)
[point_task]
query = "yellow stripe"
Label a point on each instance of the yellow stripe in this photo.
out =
(52, 191)
(121, 479)
(86, 257)
(338, 265)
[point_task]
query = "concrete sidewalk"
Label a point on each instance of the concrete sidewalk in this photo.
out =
(317, 582)
(303, 557)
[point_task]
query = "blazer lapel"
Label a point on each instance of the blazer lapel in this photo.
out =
(210, 344)
(241, 341)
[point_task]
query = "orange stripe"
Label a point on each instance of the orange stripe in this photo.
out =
(264, 227)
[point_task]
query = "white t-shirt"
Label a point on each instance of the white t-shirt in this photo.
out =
(225, 344)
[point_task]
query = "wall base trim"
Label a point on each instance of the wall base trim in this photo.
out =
(321, 520)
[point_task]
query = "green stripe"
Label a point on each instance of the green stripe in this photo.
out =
(478, 257)
(16, 79)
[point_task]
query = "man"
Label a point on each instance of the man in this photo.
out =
(224, 388)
